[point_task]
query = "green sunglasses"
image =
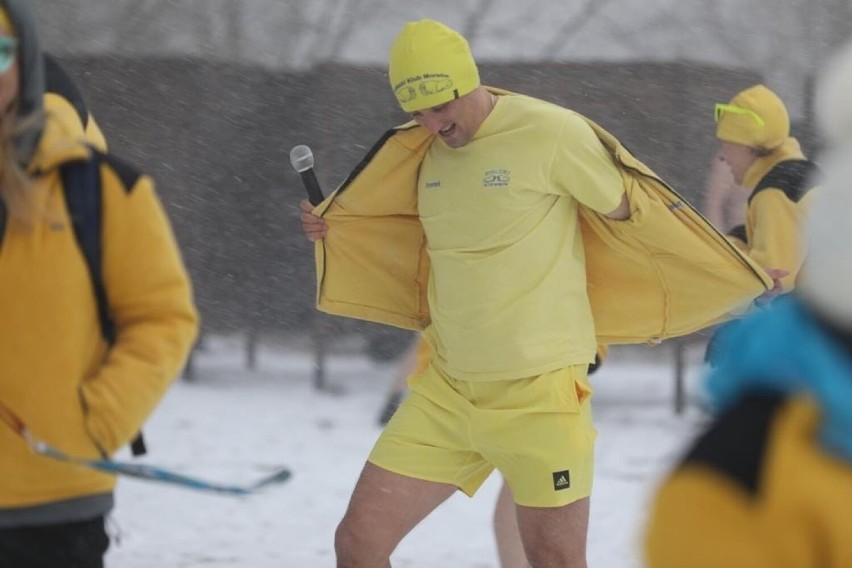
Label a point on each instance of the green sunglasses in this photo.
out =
(722, 108)
(8, 52)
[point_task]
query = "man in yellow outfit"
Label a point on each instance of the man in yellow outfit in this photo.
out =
(467, 224)
(512, 344)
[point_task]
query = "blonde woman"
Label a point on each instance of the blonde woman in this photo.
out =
(80, 379)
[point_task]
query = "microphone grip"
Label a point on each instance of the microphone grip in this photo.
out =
(309, 180)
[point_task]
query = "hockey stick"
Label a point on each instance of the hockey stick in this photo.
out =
(139, 471)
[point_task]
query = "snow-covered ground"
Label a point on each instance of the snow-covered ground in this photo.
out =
(235, 425)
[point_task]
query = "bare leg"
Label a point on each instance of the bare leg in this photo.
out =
(555, 536)
(406, 364)
(510, 549)
(384, 507)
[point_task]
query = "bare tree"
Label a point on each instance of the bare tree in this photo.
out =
(474, 20)
(572, 26)
(353, 15)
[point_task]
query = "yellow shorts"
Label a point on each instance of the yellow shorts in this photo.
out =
(536, 431)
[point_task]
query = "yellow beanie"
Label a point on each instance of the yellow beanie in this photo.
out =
(429, 65)
(745, 128)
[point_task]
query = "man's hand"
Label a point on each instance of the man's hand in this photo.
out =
(777, 288)
(314, 227)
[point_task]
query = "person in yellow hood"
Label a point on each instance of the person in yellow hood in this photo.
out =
(72, 386)
(516, 235)
(754, 131)
(768, 483)
(764, 160)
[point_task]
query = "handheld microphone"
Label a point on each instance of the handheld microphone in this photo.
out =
(302, 160)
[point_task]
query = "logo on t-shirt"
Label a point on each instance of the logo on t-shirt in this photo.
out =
(497, 178)
(433, 184)
(561, 480)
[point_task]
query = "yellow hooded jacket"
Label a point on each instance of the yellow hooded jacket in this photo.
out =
(665, 272)
(781, 185)
(56, 371)
(756, 490)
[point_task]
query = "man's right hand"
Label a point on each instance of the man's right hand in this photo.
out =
(314, 227)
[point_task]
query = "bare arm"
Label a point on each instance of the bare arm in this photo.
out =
(621, 212)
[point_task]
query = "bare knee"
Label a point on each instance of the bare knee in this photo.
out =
(384, 507)
(354, 547)
(548, 555)
(555, 536)
(547, 559)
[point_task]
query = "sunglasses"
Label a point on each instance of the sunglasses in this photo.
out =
(722, 108)
(8, 52)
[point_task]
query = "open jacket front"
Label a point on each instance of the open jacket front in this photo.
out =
(663, 273)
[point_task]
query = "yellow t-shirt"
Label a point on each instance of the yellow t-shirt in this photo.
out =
(507, 290)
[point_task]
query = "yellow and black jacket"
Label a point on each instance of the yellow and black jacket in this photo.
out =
(57, 372)
(780, 185)
(769, 483)
(664, 272)
(756, 491)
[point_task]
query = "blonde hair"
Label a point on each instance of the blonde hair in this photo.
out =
(16, 184)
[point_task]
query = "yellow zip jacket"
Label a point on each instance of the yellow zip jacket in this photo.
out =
(664, 272)
(757, 490)
(781, 185)
(56, 371)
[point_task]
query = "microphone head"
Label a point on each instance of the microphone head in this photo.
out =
(301, 158)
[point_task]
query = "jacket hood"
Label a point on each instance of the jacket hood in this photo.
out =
(31, 72)
(789, 150)
(62, 136)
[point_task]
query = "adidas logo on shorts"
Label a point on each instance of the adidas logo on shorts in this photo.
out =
(561, 480)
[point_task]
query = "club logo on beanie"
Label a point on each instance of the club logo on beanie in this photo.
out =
(429, 65)
(426, 86)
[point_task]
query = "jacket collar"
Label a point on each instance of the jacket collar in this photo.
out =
(63, 138)
(789, 150)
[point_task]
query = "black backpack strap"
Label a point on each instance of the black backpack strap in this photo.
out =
(738, 232)
(82, 188)
(82, 185)
(57, 80)
(793, 177)
(3, 215)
